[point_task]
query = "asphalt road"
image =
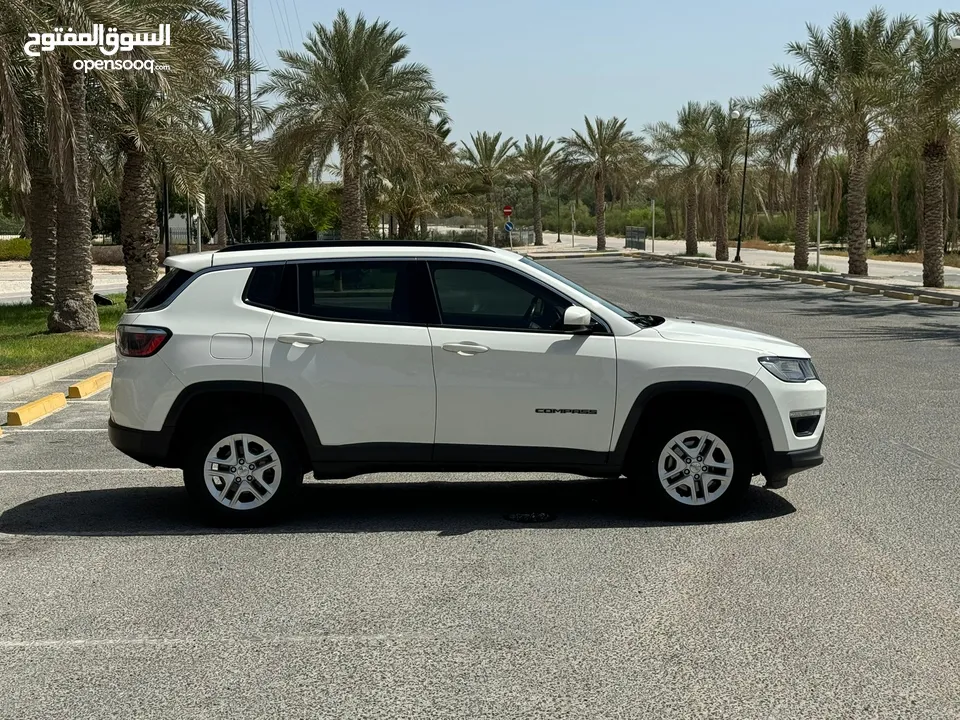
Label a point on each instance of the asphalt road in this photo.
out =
(394, 597)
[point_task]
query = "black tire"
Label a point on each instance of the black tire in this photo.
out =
(289, 480)
(644, 477)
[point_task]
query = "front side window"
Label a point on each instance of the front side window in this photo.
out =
(593, 296)
(475, 295)
(361, 291)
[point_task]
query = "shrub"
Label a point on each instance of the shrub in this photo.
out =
(776, 229)
(10, 225)
(15, 249)
(107, 255)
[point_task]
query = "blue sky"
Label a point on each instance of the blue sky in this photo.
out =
(530, 66)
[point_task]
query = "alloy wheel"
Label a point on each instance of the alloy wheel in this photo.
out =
(695, 467)
(242, 471)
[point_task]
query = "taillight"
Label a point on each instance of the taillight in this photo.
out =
(138, 341)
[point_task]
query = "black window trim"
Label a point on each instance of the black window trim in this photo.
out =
(506, 268)
(138, 306)
(422, 322)
(194, 274)
(244, 296)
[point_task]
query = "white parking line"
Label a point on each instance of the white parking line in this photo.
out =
(17, 431)
(78, 470)
(69, 402)
(162, 642)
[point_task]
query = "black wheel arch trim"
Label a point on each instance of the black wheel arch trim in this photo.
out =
(153, 448)
(649, 393)
(285, 395)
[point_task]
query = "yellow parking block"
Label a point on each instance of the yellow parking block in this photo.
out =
(935, 300)
(89, 386)
(33, 411)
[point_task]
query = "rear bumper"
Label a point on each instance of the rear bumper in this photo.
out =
(781, 465)
(145, 446)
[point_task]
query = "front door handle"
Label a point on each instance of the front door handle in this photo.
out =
(464, 348)
(299, 340)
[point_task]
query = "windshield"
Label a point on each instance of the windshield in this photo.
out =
(606, 303)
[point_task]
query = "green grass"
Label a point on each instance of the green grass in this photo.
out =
(15, 249)
(25, 344)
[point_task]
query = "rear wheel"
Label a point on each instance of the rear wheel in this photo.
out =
(243, 472)
(692, 468)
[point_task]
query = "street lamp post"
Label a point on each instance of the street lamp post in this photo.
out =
(743, 183)
(818, 234)
(653, 224)
(165, 222)
(558, 213)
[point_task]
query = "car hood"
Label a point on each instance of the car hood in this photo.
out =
(695, 331)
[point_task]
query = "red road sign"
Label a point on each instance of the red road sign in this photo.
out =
(507, 211)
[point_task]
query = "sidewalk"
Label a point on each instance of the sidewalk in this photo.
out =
(15, 281)
(881, 271)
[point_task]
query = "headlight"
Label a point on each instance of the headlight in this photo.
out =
(795, 370)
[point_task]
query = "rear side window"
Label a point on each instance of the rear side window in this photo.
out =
(165, 288)
(263, 287)
(364, 291)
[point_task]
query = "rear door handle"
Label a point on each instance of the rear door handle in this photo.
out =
(300, 340)
(465, 348)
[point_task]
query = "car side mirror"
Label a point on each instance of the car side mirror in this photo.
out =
(576, 319)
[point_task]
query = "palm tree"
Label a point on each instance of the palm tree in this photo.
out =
(487, 161)
(229, 165)
(73, 307)
(41, 201)
(20, 17)
(684, 146)
(725, 141)
(534, 160)
(925, 115)
(69, 139)
(604, 155)
(793, 109)
(155, 121)
(352, 91)
(854, 62)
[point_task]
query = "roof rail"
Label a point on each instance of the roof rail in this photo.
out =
(242, 247)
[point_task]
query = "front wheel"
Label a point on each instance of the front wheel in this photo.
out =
(692, 469)
(242, 472)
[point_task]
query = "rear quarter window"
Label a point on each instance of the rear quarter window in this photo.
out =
(263, 287)
(165, 288)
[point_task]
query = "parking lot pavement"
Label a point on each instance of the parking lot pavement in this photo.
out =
(401, 596)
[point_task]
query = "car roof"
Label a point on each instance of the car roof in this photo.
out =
(282, 251)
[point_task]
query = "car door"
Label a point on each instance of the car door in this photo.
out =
(355, 352)
(511, 383)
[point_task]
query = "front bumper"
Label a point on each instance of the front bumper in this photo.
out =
(781, 465)
(145, 446)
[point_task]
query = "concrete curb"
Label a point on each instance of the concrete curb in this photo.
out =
(51, 373)
(574, 255)
(844, 282)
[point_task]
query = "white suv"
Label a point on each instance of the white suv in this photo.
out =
(251, 366)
